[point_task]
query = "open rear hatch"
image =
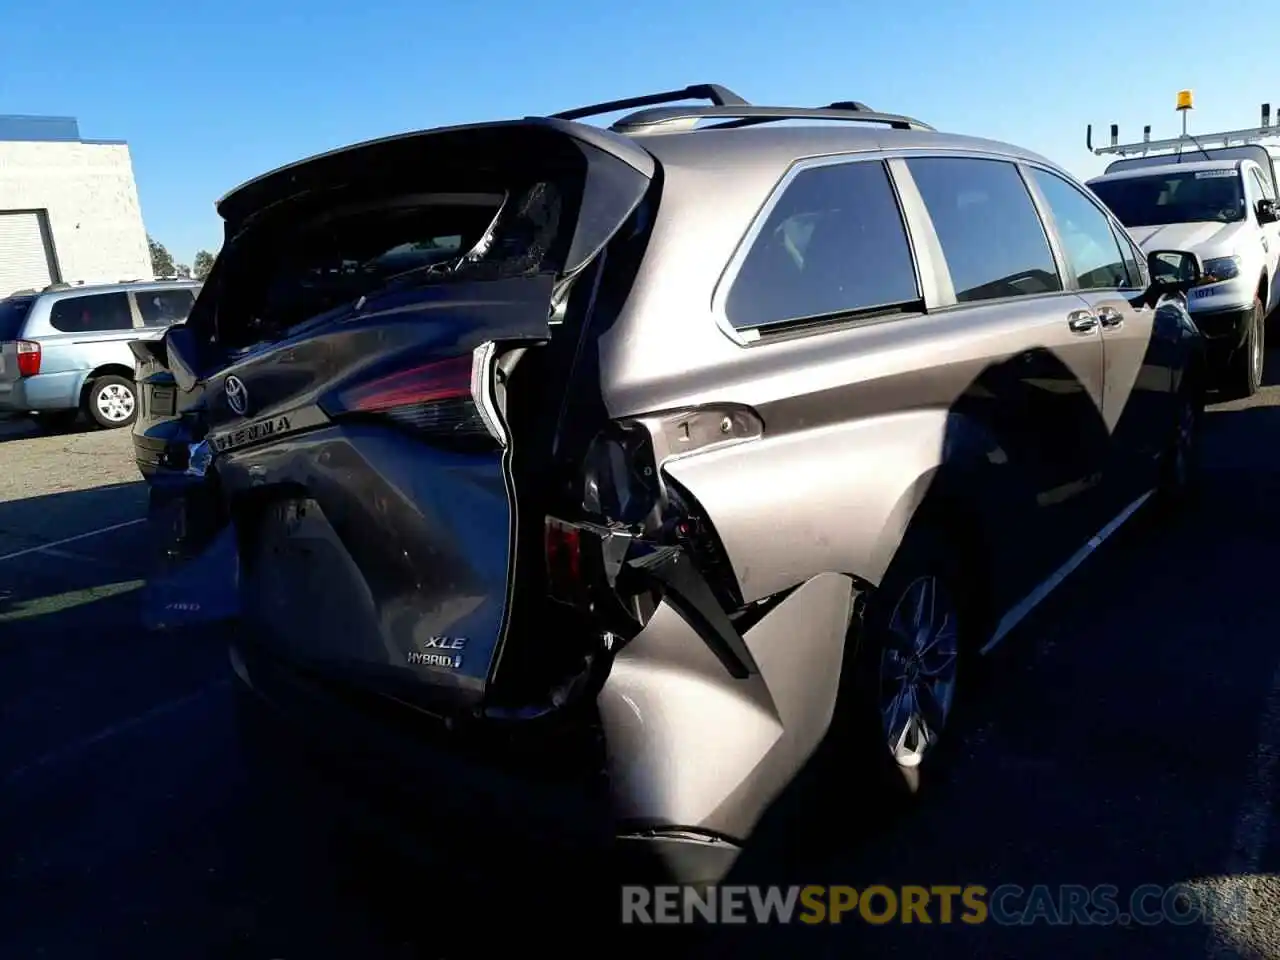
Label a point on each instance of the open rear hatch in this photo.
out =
(381, 360)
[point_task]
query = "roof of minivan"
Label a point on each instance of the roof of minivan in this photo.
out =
(1230, 163)
(769, 143)
(80, 289)
(782, 143)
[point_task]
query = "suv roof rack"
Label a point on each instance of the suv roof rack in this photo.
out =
(714, 93)
(748, 115)
(1193, 141)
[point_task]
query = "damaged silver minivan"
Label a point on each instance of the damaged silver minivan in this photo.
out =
(620, 468)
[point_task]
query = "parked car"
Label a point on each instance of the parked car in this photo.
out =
(1223, 210)
(715, 439)
(66, 349)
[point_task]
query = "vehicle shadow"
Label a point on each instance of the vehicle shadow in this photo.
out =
(20, 428)
(1116, 741)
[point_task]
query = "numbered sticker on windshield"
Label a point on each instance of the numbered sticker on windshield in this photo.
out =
(1210, 174)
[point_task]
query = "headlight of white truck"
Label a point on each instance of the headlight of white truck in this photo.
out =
(1221, 268)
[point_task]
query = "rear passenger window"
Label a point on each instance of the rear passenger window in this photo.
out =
(834, 243)
(1091, 247)
(991, 236)
(162, 308)
(92, 314)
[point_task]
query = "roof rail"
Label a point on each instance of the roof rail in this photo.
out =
(749, 115)
(712, 92)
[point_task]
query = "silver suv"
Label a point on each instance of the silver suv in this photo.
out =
(66, 349)
(586, 476)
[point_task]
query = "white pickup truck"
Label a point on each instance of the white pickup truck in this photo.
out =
(1224, 210)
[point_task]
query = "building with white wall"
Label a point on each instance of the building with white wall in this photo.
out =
(69, 207)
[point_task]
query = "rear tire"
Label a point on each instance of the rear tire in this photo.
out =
(913, 665)
(112, 401)
(1244, 376)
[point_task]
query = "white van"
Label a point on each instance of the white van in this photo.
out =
(1223, 210)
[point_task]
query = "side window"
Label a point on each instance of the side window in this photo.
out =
(1133, 262)
(161, 308)
(94, 313)
(1144, 270)
(991, 236)
(834, 243)
(1089, 244)
(1263, 189)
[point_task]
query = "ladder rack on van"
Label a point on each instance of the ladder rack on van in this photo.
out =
(1187, 141)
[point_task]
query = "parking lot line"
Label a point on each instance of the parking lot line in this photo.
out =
(115, 729)
(78, 536)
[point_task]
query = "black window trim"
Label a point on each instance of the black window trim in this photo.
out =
(824, 323)
(1070, 281)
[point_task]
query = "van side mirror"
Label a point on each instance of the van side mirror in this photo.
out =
(1266, 211)
(1172, 271)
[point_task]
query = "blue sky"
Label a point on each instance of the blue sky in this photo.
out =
(210, 94)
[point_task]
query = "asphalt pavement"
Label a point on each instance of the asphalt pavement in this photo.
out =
(1129, 734)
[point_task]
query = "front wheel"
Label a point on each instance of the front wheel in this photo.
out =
(112, 401)
(1244, 378)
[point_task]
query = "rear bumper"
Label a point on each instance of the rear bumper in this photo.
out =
(481, 809)
(43, 392)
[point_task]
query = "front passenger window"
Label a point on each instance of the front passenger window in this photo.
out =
(1085, 231)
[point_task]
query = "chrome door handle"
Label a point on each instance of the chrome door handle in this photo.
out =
(1110, 317)
(1082, 321)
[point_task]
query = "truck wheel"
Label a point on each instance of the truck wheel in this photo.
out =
(1244, 377)
(112, 401)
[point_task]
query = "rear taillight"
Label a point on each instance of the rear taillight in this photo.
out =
(28, 358)
(432, 399)
(563, 542)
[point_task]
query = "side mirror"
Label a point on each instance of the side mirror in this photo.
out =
(1267, 212)
(181, 350)
(1172, 271)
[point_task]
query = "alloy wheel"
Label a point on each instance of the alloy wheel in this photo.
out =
(918, 667)
(115, 402)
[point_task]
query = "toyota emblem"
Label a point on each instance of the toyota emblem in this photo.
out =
(237, 395)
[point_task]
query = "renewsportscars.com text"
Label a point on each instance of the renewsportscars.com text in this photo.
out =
(1006, 905)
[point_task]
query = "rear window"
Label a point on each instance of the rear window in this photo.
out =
(163, 308)
(93, 313)
(326, 263)
(12, 314)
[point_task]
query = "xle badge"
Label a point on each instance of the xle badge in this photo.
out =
(440, 652)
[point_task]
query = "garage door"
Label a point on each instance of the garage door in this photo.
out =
(24, 258)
